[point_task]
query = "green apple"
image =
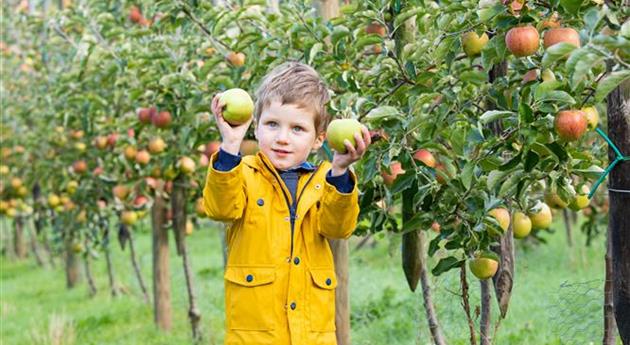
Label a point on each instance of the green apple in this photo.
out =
(581, 199)
(521, 225)
(541, 219)
(239, 106)
(483, 268)
(592, 116)
(502, 216)
(340, 130)
(473, 43)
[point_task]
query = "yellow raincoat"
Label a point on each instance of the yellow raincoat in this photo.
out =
(279, 282)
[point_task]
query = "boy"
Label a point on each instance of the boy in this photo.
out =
(280, 275)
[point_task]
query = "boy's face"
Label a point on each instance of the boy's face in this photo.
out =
(286, 134)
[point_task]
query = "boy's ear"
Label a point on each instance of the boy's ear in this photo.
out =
(319, 141)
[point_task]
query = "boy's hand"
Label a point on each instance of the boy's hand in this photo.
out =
(231, 136)
(341, 162)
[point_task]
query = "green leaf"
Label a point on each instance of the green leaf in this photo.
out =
(383, 111)
(509, 186)
(576, 55)
(610, 82)
(557, 52)
(401, 18)
(591, 172)
(445, 265)
(571, 6)
(368, 40)
(558, 150)
(467, 174)
(511, 163)
(492, 115)
(494, 177)
(556, 96)
(316, 48)
(403, 182)
(531, 159)
(474, 77)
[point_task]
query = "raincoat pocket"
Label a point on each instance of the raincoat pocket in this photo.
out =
(250, 297)
(322, 299)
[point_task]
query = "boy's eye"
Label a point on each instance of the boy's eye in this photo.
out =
(272, 124)
(298, 128)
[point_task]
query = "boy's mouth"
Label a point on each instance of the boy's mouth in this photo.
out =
(281, 152)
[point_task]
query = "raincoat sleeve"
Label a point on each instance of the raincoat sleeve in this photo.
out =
(224, 195)
(338, 212)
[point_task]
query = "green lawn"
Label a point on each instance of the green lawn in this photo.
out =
(556, 299)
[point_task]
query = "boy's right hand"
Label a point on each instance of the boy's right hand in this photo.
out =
(231, 136)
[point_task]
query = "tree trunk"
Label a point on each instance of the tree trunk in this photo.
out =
(342, 297)
(328, 9)
(35, 248)
(504, 278)
(484, 324)
(466, 304)
(104, 225)
(434, 325)
(609, 316)
(162, 314)
(619, 222)
(178, 205)
(110, 272)
(19, 240)
(136, 267)
(568, 226)
(88, 272)
(73, 272)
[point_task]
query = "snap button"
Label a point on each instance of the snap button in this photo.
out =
(260, 202)
(293, 306)
(318, 186)
(249, 278)
(286, 219)
(328, 281)
(296, 261)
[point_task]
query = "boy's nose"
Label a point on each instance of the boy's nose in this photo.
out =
(282, 137)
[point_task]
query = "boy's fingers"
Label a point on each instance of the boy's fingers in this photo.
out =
(360, 143)
(366, 135)
(350, 148)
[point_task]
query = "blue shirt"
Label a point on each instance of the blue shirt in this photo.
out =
(343, 183)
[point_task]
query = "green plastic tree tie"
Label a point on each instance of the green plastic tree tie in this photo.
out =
(619, 158)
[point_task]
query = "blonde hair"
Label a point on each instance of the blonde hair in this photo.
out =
(298, 84)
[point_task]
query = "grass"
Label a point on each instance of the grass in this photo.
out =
(556, 298)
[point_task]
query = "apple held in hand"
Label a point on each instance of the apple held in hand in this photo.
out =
(239, 106)
(340, 130)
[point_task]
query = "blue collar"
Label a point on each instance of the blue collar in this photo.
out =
(305, 166)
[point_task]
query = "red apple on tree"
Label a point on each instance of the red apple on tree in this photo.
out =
(79, 167)
(558, 35)
(570, 124)
(186, 165)
(157, 145)
(396, 169)
(236, 59)
(143, 157)
(426, 157)
(162, 119)
(146, 114)
(522, 41)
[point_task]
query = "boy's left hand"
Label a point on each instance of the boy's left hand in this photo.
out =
(341, 162)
